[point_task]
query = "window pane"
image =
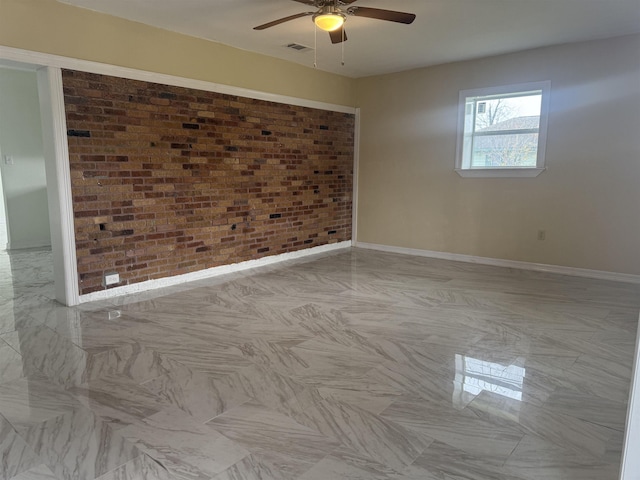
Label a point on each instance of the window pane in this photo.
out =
(508, 113)
(514, 150)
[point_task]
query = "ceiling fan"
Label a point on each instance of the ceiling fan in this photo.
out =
(331, 15)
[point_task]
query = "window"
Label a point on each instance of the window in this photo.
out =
(502, 131)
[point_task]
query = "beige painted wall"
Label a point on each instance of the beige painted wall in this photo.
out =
(588, 200)
(51, 27)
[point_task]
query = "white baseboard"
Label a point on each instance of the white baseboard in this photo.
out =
(29, 245)
(497, 262)
(209, 272)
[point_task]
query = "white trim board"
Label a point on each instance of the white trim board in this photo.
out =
(211, 272)
(59, 195)
(354, 177)
(18, 58)
(630, 468)
(497, 262)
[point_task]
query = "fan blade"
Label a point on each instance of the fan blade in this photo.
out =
(282, 20)
(315, 2)
(338, 35)
(389, 15)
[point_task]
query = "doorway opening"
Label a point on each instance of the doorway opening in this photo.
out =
(22, 162)
(35, 174)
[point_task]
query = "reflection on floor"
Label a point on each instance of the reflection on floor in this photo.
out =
(356, 364)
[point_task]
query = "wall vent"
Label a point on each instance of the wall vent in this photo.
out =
(300, 48)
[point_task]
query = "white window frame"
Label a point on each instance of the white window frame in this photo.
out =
(466, 171)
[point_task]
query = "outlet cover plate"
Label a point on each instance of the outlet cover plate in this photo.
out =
(111, 279)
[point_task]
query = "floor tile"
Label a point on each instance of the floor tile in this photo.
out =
(11, 364)
(590, 408)
(277, 440)
(537, 459)
(353, 364)
(118, 400)
(16, 456)
(32, 400)
(460, 429)
(78, 445)
(563, 430)
(441, 461)
(249, 468)
(186, 448)
(344, 463)
(363, 432)
(142, 467)
(41, 472)
(198, 394)
(57, 357)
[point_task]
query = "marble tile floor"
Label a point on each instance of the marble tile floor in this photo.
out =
(349, 365)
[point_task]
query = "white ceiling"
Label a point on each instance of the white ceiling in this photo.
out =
(444, 30)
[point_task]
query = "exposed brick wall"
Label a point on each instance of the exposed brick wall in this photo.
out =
(169, 180)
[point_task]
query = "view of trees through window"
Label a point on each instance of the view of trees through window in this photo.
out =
(502, 130)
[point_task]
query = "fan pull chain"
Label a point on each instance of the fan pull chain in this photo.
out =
(343, 46)
(315, 46)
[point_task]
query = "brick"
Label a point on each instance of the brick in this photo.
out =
(163, 176)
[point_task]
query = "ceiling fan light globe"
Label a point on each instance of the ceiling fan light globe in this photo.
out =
(329, 21)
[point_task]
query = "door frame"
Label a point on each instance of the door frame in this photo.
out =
(59, 194)
(3, 207)
(57, 168)
(630, 468)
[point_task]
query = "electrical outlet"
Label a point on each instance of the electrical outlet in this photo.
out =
(542, 234)
(111, 279)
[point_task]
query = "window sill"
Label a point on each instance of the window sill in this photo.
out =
(499, 172)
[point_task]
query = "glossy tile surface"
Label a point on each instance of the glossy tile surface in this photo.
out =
(354, 364)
